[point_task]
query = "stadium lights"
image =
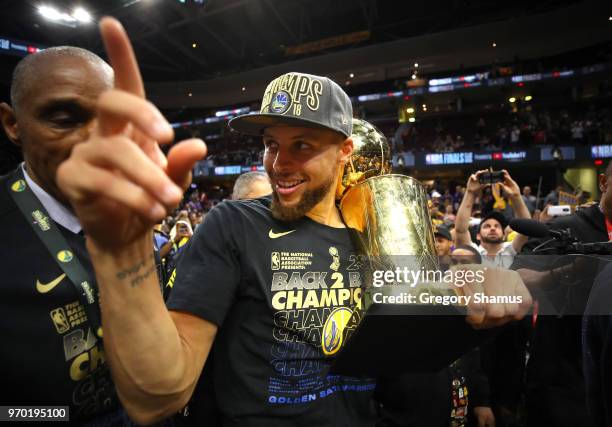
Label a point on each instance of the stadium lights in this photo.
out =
(50, 13)
(78, 16)
(528, 98)
(81, 15)
(512, 100)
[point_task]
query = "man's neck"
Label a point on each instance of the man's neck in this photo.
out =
(57, 210)
(41, 183)
(492, 248)
(325, 212)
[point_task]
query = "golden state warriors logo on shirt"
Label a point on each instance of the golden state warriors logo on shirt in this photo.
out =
(333, 330)
(281, 101)
(18, 186)
(64, 256)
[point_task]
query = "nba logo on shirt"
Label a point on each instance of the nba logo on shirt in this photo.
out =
(60, 320)
(275, 261)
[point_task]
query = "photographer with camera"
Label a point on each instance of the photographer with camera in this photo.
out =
(494, 250)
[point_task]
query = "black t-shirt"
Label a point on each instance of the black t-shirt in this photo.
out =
(286, 298)
(50, 355)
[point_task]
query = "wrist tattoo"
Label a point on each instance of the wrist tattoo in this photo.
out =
(137, 273)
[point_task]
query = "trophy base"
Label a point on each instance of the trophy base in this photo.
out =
(393, 339)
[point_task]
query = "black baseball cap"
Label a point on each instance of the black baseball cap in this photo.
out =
(298, 99)
(442, 231)
(498, 216)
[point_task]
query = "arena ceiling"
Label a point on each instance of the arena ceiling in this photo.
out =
(181, 40)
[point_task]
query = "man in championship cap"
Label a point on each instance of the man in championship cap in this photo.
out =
(270, 281)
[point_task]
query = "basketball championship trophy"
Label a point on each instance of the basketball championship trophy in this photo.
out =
(388, 218)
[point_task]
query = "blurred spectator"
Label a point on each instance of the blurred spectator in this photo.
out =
(552, 198)
(194, 204)
(251, 185)
(529, 199)
(577, 132)
(449, 216)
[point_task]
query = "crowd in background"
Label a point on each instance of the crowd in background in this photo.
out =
(523, 129)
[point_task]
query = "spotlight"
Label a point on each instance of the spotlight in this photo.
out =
(512, 100)
(416, 65)
(190, 94)
(243, 88)
(528, 98)
(194, 45)
(414, 76)
(494, 44)
(410, 110)
(351, 75)
(411, 119)
(81, 15)
(50, 13)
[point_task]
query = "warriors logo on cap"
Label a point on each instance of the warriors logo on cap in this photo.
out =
(281, 102)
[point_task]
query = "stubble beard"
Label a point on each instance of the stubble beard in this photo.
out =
(309, 200)
(492, 241)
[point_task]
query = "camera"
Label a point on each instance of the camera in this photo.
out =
(491, 177)
(561, 210)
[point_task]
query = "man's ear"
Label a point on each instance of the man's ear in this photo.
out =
(346, 150)
(9, 123)
(603, 182)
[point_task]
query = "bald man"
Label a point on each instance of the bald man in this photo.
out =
(52, 352)
(251, 185)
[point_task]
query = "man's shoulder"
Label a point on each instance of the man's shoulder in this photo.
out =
(479, 248)
(242, 208)
(237, 216)
(508, 248)
(7, 204)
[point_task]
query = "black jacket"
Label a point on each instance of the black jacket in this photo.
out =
(555, 382)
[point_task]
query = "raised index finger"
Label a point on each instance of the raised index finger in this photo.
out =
(121, 56)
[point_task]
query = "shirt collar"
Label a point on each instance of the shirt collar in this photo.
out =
(57, 211)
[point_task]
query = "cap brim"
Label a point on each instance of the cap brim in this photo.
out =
(254, 124)
(443, 236)
(498, 216)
